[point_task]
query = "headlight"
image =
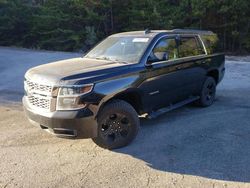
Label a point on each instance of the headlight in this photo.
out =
(25, 85)
(75, 90)
(69, 98)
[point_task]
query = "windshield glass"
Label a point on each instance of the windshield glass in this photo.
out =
(121, 49)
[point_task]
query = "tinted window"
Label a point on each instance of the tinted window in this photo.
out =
(165, 49)
(190, 46)
(212, 43)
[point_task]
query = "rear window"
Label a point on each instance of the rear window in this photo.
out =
(190, 46)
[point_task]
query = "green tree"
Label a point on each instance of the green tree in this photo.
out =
(78, 24)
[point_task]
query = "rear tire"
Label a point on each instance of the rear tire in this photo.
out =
(208, 92)
(118, 125)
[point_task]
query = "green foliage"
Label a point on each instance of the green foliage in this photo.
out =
(78, 24)
(14, 22)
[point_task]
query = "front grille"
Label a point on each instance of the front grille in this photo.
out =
(40, 95)
(32, 86)
(39, 102)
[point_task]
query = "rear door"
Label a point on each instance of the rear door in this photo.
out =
(193, 66)
(176, 71)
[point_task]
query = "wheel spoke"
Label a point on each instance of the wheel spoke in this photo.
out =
(124, 132)
(106, 128)
(123, 120)
(120, 117)
(125, 128)
(107, 132)
(209, 91)
(117, 135)
(124, 125)
(113, 117)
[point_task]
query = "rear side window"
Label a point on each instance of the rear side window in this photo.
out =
(190, 46)
(212, 43)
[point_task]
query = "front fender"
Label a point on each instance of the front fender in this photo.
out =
(111, 88)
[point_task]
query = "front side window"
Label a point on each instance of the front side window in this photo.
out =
(190, 46)
(165, 49)
(125, 49)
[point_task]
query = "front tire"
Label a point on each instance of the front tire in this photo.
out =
(118, 125)
(208, 92)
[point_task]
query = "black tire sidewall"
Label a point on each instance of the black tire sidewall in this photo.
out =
(203, 101)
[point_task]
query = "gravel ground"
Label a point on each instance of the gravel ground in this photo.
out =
(188, 147)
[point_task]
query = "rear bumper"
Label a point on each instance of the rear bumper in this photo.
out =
(78, 123)
(222, 73)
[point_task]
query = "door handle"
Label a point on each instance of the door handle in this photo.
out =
(178, 68)
(200, 62)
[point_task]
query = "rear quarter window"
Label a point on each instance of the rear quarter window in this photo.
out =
(190, 46)
(212, 44)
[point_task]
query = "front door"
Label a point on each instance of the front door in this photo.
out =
(163, 83)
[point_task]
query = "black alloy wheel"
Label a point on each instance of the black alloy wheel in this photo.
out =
(208, 92)
(118, 125)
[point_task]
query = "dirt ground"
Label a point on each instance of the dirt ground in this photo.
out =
(188, 147)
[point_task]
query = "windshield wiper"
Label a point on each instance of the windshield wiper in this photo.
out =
(113, 60)
(103, 58)
(119, 61)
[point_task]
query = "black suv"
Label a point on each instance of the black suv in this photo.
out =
(102, 94)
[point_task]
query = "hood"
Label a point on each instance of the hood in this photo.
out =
(56, 72)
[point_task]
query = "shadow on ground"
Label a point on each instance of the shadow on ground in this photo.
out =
(210, 142)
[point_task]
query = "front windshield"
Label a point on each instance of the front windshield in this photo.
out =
(121, 49)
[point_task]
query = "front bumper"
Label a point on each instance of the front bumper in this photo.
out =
(72, 123)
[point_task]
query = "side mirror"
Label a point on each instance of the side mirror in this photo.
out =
(162, 56)
(151, 60)
(158, 56)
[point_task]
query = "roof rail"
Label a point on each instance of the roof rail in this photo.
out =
(192, 31)
(147, 31)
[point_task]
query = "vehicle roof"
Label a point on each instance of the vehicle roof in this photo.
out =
(152, 33)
